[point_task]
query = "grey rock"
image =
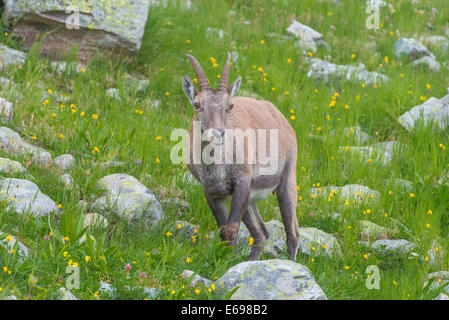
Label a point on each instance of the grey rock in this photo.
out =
(61, 67)
(304, 32)
(371, 231)
(441, 296)
(311, 241)
(402, 184)
(347, 192)
(129, 198)
(104, 25)
(6, 110)
(271, 280)
(10, 241)
(437, 42)
(386, 246)
(11, 57)
(316, 241)
(24, 196)
(67, 180)
(411, 48)
(196, 280)
(95, 220)
(214, 33)
(176, 203)
(64, 162)
(113, 93)
(381, 153)
(10, 166)
(65, 294)
(438, 281)
(11, 297)
(13, 143)
(434, 111)
(325, 71)
(427, 63)
(186, 230)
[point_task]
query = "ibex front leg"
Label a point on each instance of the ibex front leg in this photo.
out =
(239, 205)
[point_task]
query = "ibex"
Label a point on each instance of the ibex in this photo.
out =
(219, 111)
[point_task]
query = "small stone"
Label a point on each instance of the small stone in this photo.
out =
(427, 63)
(95, 220)
(412, 49)
(9, 166)
(67, 180)
(196, 280)
(6, 110)
(65, 294)
(371, 231)
(64, 162)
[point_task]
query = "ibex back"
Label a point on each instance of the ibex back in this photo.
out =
(220, 114)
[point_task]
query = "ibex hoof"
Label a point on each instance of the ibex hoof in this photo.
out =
(229, 233)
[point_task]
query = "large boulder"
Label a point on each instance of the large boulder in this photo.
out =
(11, 142)
(271, 280)
(91, 25)
(129, 198)
(434, 111)
(25, 197)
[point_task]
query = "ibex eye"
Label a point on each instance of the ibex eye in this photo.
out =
(231, 106)
(196, 105)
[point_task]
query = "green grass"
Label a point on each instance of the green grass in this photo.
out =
(124, 134)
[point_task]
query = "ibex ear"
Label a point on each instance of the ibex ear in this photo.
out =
(189, 88)
(232, 90)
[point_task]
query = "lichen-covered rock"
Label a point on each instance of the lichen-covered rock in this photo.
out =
(347, 192)
(129, 198)
(24, 196)
(371, 231)
(10, 166)
(175, 203)
(186, 230)
(326, 71)
(316, 241)
(64, 162)
(271, 280)
(6, 110)
(9, 243)
(381, 153)
(11, 57)
(434, 111)
(275, 244)
(133, 83)
(102, 25)
(441, 296)
(387, 246)
(411, 48)
(113, 93)
(13, 143)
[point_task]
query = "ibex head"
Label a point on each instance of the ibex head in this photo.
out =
(211, 105)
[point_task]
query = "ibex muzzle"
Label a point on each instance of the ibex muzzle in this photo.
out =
(243, 183)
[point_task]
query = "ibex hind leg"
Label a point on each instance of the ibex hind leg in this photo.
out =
(257, 229)
(288, 200)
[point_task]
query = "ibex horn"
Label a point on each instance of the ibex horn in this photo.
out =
(203, 83)
(225, 75)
